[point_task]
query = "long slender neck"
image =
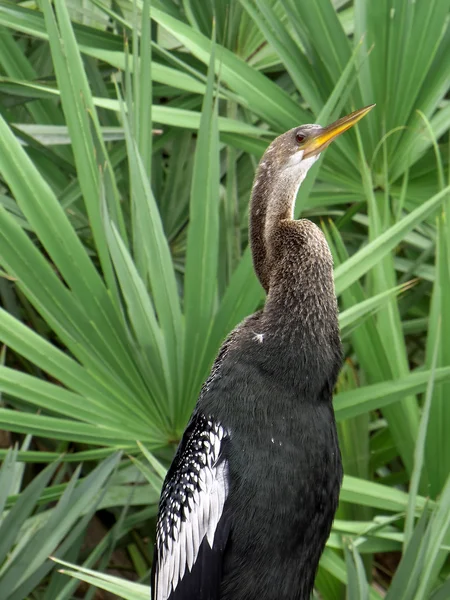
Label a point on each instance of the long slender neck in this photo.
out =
(273, 201)
(294, 264)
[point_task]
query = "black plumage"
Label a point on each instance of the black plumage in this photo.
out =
(249, 500)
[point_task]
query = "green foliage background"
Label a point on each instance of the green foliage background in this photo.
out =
(125, 264)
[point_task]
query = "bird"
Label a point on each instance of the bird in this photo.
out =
(248, 502)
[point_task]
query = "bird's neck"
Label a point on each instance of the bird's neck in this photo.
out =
(300, 320)
(291, 258)
(273, 201)
(294, 264)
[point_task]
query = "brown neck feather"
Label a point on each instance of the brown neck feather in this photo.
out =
(291, 258)
(298, 326)
(273, 199)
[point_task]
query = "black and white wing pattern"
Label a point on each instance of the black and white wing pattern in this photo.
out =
(192, 528)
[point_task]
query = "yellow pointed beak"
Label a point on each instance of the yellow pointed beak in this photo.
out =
(318, 143)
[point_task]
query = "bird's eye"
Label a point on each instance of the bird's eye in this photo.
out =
(300, 137)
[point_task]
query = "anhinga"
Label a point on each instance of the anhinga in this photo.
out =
(248, 502)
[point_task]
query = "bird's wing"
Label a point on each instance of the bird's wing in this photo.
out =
(192, 528)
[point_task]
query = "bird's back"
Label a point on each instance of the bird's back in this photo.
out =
(283, 473)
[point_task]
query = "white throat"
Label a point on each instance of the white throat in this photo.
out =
(296, 170)
(282, 202)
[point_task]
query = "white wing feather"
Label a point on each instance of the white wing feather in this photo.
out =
(183, 525)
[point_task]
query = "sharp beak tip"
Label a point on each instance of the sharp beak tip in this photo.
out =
(331, 132)
(369, 107)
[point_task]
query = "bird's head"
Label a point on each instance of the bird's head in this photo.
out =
(298, 149)
(280, 173)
